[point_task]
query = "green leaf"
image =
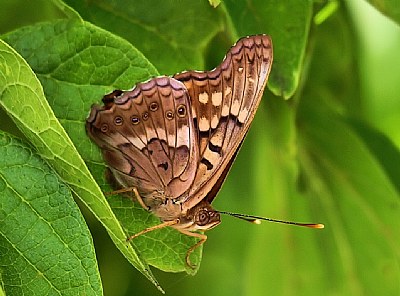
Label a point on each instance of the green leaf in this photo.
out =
(389, 8)
(280, 258)
(22, 98)
(68, 11)
(382, 148)
(46, 247)
(165, 248)
(15, 14)
(190, 26)
(288, 23)
(173, 36)
(357, 200)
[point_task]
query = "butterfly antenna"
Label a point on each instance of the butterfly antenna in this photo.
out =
(257, 220)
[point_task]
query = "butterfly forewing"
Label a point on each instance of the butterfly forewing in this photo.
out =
(224, 102)
(148, 137)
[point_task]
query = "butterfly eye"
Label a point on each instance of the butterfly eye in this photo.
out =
(169, 115)
(181, 110)
(135, 120)
(202, 218)
(153, 106)
(118, 120)
(145, 115)
(104, 127)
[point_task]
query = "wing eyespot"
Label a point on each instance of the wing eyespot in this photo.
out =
(169, 115)
(104, 127)
(145, 115)
(118, 120)
(135, 119)
(153, 107)
(181, 111)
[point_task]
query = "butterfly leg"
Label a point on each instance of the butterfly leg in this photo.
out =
(130, 190)
(159, 226)
(200, 236)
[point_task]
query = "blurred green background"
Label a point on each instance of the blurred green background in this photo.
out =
(329, 154)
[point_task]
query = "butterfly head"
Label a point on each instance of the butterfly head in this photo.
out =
(201, 217)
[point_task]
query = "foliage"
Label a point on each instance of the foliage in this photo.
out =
(312, 154)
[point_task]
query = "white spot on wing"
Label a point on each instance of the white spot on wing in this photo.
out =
(225, 107)
(182, 136)
(212, 157)
(161, 134)
(204, 124)
(225, 111)
(243, 115)
(235, 108)
(214, 121)
(151, 133)
(217, 139)
(216, 98)
(194, 114)
(136, 142)
(203, 98)
(171, 140)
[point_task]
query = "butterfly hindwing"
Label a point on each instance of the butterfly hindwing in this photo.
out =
(147, 137)
(224, 102)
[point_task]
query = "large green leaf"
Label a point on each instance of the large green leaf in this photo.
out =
(390, 8)
(361, 205)
(288, 23)
(23, 99)
(172, 35)
(383, 149)
(46, 247)
(183, 31)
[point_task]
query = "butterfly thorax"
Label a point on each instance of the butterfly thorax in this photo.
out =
(164, 207)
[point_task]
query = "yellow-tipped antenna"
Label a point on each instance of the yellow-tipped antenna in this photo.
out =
(257, 220)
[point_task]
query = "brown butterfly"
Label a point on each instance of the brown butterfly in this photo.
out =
(173, 140)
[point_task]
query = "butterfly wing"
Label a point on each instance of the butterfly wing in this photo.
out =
(147, 137)
(224, 102)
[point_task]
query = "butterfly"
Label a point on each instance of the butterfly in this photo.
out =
(172, 140)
